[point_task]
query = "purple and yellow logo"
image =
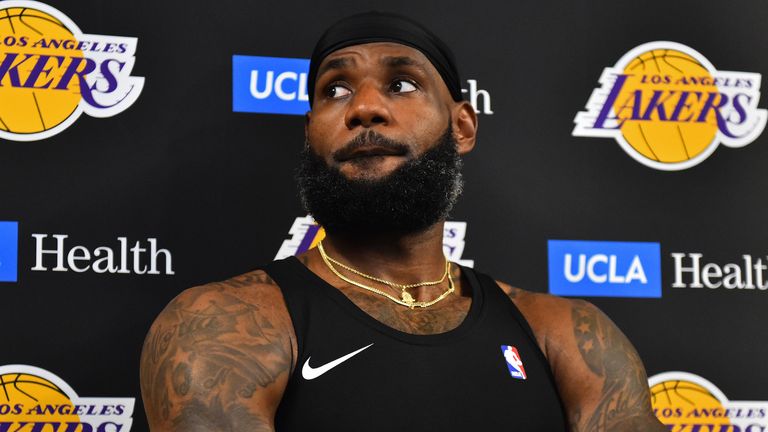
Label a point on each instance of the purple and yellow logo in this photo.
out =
(669, 108)
(683, 401)
(51, 72)
(33, 399)
(306, 233)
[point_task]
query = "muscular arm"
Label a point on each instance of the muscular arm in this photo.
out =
(599, 375)
(218, 358)
(607, 389)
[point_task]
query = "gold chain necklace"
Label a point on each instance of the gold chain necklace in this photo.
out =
(406, 300)
(390, 283)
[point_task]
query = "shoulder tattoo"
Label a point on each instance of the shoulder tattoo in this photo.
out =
(624, 400)
(208, 354)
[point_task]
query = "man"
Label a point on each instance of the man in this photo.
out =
(374, 329)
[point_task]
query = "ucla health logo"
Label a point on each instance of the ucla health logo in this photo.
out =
(604, 268)
(269, 85)
(9, 251)
(51, 72)
(54, 253)
(669, 108)
(306, 233)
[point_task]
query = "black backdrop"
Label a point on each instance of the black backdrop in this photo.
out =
(215, 187)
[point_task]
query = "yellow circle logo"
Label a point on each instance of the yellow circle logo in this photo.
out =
(669, 108)
(687, 402)
(674, 400)
(51, 72)
(33, 399)
(662, 134)
(29, 397)
(26, 107)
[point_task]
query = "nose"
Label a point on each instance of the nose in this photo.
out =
(367, 108)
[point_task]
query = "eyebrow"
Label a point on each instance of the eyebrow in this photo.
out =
(400, 61)
(334, 64)
(392, 62)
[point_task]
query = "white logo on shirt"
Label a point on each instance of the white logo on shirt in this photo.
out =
(310, 373)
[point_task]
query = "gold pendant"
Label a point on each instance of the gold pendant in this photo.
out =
(407, 298)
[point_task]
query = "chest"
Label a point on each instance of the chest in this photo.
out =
(357, 371)
(440, 318)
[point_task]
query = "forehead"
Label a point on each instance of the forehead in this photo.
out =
(378, 52)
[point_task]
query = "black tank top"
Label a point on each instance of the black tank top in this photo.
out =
(354, 373)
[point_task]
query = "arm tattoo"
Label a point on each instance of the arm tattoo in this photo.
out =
(206, 357)
(624, 403)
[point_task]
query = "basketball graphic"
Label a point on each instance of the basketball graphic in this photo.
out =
(661, 139)
(684, 401)
(36, 394)
(34, 399)
(35, 107)
(669, 108)
(51, 72)
(670, 396)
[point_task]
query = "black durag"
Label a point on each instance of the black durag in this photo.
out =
(371, 27)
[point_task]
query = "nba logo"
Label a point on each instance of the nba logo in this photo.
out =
(514, 364)
(9, 247)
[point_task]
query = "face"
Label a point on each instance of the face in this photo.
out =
(383, 142)
(387, 89)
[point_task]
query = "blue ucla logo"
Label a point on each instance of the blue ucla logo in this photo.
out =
(604, 268)
(271, 85)
(9, 250)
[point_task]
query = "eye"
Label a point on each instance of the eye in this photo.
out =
(336, 91)
(403, 86)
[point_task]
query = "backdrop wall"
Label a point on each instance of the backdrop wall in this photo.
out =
(144, 157)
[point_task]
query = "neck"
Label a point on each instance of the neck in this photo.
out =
(403, 258)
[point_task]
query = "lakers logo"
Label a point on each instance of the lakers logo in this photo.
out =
(51, 72)
(35, 399)
(306, 233)
(669, 108)
(687, 402)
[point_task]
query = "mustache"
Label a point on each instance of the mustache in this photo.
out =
(373, 140)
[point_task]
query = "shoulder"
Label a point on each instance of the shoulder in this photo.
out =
(549, 316)
(248, 306)
(566, 327)
(212, 305)
(253, 290)
(598, 373)
(218, 355)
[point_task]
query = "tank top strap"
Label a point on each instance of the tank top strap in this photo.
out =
(299, 296)
(493, 291)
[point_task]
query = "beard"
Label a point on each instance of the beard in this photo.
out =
(413, 197)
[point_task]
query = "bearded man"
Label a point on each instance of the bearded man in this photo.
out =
(375, 329)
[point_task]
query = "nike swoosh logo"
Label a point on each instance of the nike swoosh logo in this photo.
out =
(310, 373)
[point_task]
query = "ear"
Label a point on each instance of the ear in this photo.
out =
(464, 121)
